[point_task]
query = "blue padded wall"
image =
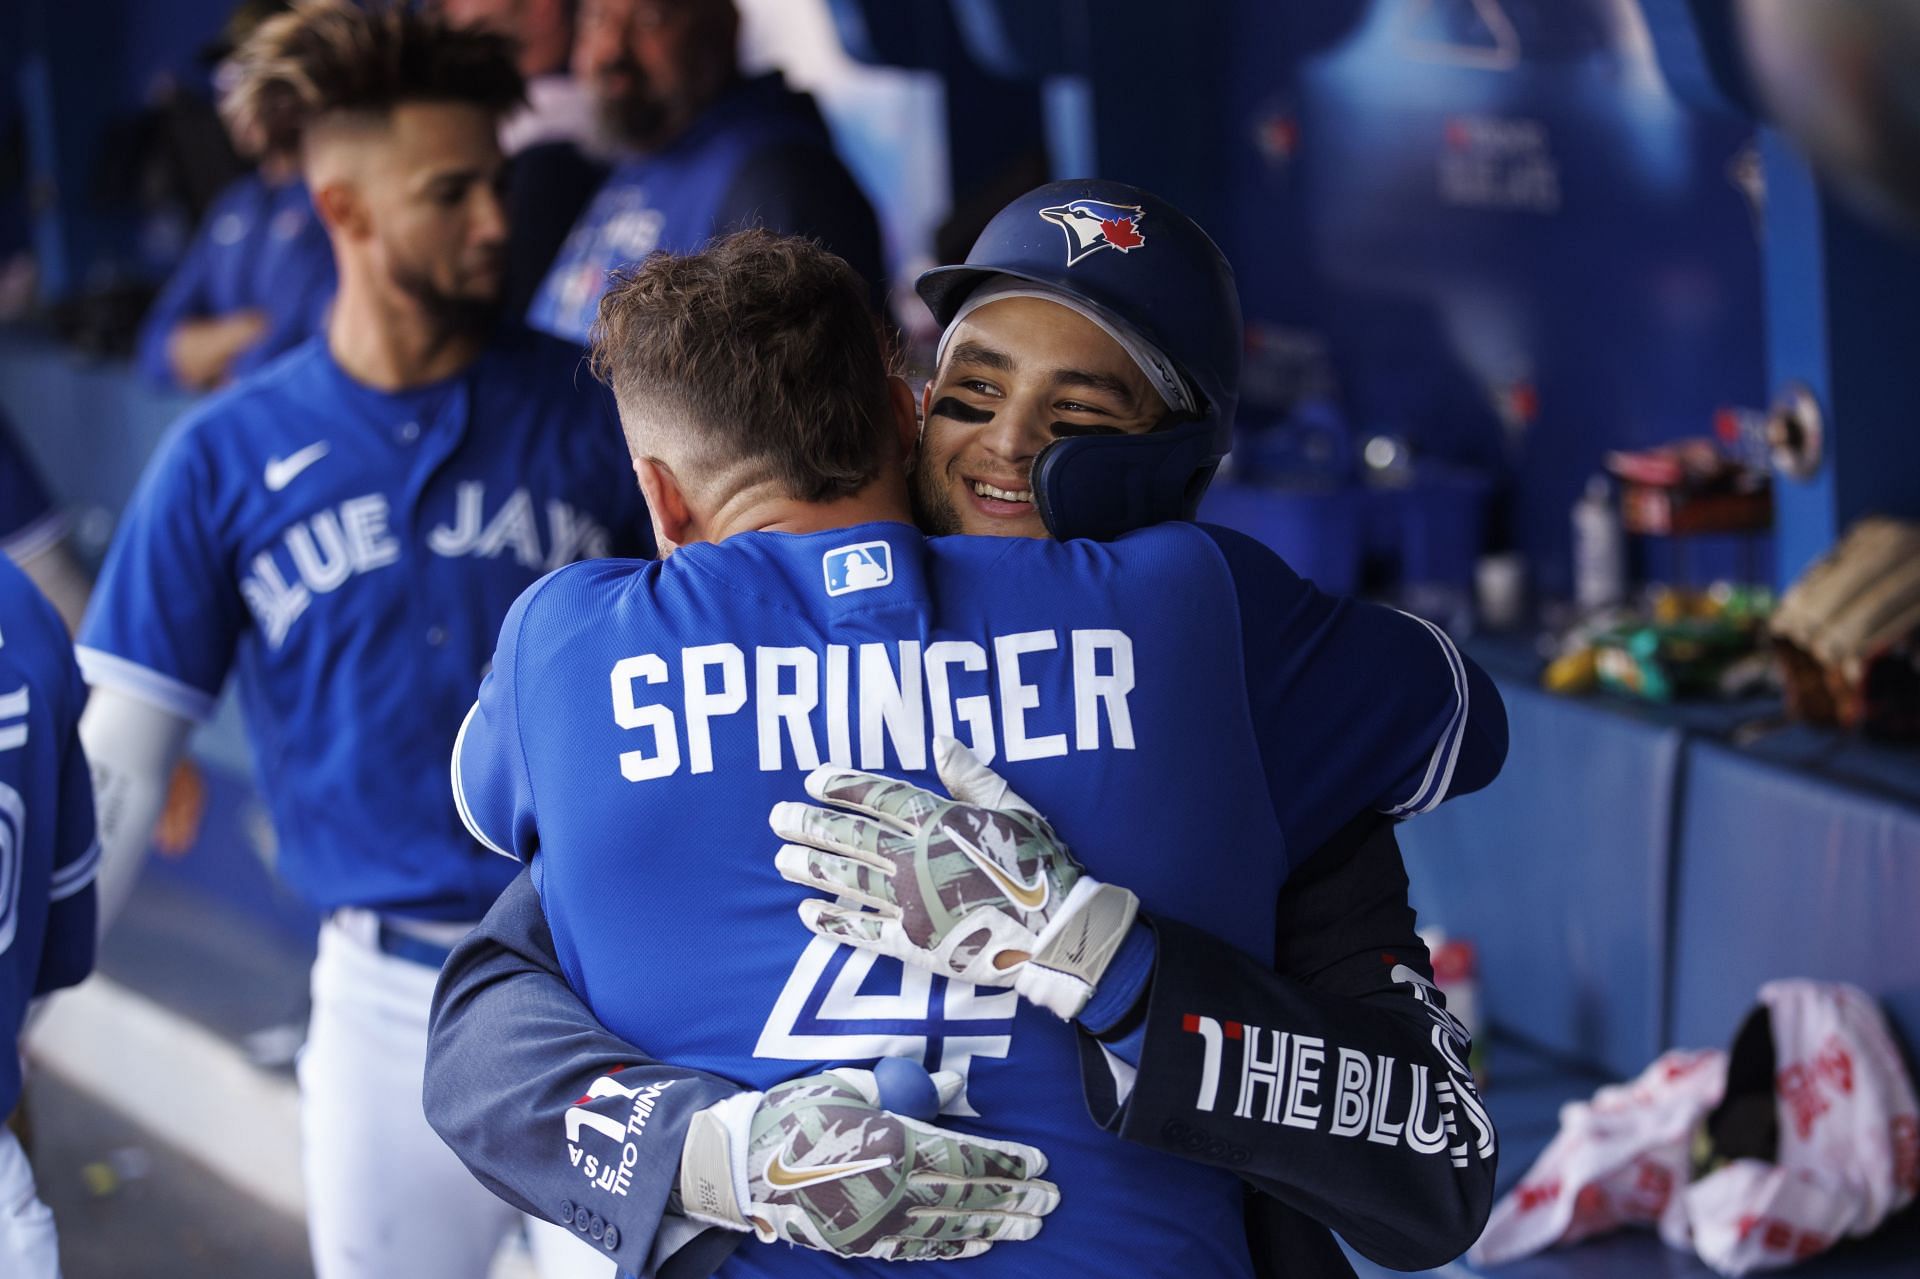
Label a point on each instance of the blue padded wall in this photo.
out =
(1785, 875)
(1558, 872)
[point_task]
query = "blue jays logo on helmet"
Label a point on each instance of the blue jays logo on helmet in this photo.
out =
(1093, 225)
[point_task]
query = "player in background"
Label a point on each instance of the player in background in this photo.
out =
(707, 150)
(1334, 743)
(342, 532)
(48, 856)
(258, 276)
(557, 159)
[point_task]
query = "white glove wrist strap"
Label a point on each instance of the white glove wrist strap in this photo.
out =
(1075, 948)
(713, 1162)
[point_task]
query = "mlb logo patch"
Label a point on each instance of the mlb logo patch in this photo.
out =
(857, 568)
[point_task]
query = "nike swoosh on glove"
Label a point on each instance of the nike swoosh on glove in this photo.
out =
(816, 1162)
(977, 887)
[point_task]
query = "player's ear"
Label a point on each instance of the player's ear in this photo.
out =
(906, 421)
(673, 519)
(926, 403)
(341, 209)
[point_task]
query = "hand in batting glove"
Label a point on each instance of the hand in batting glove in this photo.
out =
(816, 1162)
(977, 887)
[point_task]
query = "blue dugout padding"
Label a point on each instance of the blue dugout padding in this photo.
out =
(1783, 874)
(1558, 873)
(90, 425)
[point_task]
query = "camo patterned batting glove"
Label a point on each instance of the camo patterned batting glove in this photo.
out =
(815, 1162)
(977, 887)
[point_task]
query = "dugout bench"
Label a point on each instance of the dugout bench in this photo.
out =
(1630, 881)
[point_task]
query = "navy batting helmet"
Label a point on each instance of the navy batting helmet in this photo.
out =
(1144, 266)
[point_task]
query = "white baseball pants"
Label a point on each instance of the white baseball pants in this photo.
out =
(28, 1246)
(385, 1196)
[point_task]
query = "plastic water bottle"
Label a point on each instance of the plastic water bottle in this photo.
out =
(1599, 549)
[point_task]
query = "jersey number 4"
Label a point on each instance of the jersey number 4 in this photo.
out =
(845, 1005)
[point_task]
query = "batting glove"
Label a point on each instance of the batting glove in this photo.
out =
(977, 887)
(815, 1162)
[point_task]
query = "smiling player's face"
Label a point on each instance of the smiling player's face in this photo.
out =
(433, 193)
(1019, 373)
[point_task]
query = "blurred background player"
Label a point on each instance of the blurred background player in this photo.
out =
(1026, 372)
(258, 277)
(558, 155)
(705, 150)
(344, 532)
(48, 856)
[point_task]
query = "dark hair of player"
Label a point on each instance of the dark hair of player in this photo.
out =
(760, 354)
(334, 57)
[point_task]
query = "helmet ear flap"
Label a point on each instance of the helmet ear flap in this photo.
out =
(1102, 486)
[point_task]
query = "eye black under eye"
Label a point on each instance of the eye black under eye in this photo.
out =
(1066, 430)
(960, 411)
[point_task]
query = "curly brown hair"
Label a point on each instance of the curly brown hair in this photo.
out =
(329, 57)
(760, 354)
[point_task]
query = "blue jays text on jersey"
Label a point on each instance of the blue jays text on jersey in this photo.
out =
(350, 553)
(48, 854)
(260, 247)
(704, 184)
(1182, 707)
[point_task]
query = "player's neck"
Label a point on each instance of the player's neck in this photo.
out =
(761, 511)
(387, 340)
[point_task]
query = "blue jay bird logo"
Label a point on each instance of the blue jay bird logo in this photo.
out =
(857, 568)
(1093, 225)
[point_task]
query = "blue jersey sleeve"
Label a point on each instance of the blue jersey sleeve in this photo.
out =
(167, 612)
(1356, 706)
(491, 786)
(56, 802)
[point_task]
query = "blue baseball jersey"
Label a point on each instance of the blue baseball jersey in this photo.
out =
(350, 553)
(760, 156)
(1178, 703)
(261, 247)
(29, 521)
(48, 854)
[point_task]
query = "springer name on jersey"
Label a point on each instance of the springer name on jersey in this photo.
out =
(640, 720)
